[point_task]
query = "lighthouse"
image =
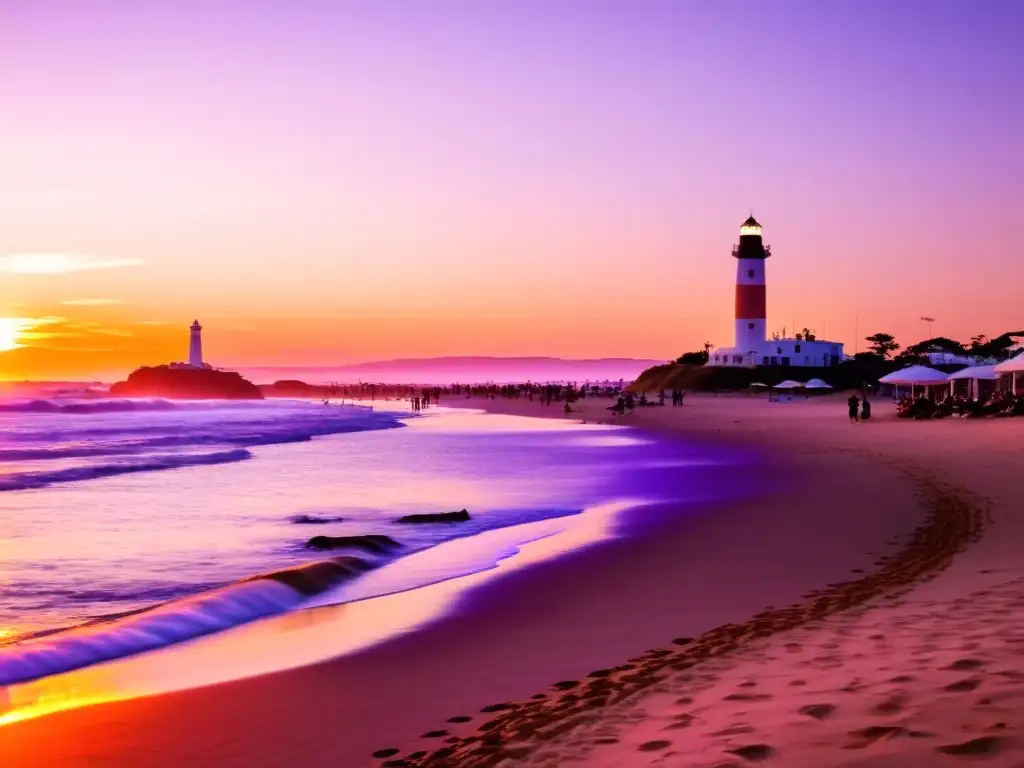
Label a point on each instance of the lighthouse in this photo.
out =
(753, 346)
(195, 345)
(751, 304)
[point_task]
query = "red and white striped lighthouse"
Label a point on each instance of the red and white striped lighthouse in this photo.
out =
(751, 304)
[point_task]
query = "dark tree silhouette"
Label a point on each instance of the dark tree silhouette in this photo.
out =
(882, 344)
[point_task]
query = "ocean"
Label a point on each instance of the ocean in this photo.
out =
(142, 523)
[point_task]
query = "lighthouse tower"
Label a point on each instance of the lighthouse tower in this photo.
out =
(751, 305)
(195, 345)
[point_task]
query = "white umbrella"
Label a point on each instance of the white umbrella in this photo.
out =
(758, 384)
(915, 376)
(987, 372)
(818, 384)
(1013, 365)
(972, 375)
(789, 384)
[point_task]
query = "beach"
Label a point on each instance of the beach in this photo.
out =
(869, 576)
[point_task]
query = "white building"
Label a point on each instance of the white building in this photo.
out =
(195, 345)
(751, 345)
(195, 348)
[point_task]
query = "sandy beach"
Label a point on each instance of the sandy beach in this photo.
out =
(867, 615)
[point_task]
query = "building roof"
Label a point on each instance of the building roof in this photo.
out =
(750, 222)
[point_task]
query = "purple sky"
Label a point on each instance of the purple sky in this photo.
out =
(581, 163)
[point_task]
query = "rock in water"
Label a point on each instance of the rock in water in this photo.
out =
(438, 517)
(371, 542)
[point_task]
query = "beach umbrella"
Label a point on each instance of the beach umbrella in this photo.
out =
(915, 376)
(789, 384)
(973, 374)
(1013, 366)
(818, 384)
(758, 384)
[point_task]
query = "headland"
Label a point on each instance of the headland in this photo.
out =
(186, 383)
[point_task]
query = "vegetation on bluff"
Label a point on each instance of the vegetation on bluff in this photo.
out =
(689, 371)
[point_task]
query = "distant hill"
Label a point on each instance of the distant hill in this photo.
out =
(445, 370)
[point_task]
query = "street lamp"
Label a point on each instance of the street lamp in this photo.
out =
(928, 320)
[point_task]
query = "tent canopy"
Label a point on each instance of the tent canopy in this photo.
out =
(788, 384)
(818, 384)
(987, 372)
(1012, 365)
(915, 375)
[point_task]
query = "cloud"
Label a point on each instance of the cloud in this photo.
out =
(91, 302)
(154, 322)
(60, 263)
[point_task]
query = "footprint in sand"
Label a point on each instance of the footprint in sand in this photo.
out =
(654, 746)
(902, 679)
(984, 745)
(747, 697)
(459, 719)
(891, 706)
(753, 753)
(818, 711)
(868, 736)
(500, 707)
(964, 686)
(385, 753)
(734, 730)
(965, 665)
(434, 734)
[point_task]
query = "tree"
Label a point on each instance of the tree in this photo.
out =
(808, 335)
(882, 344)
(1001, 347)
(693, 358)
(938, 344)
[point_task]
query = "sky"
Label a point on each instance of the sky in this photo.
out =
(333, 182)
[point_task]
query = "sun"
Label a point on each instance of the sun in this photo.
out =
(10, 332)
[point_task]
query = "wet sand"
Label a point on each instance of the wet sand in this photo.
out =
(874, 509)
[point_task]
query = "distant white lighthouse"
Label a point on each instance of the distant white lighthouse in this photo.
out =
(195, 345)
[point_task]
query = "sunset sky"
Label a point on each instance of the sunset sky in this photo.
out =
(329, 182)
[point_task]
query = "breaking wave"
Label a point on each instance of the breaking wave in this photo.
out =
(25, 480)
(43, 442)
(202, 614)
(93, 406)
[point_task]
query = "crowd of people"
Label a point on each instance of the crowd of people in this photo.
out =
(923, 407)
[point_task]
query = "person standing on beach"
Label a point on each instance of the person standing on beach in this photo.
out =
(865, 410)
(854, 403)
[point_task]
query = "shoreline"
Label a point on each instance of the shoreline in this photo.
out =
(473, 645)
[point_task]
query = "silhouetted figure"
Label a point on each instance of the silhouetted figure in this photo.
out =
(865, 410)
(854, 403)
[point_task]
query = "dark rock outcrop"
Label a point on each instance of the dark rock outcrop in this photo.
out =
(371, 542)
(186, 384)
(438, 517)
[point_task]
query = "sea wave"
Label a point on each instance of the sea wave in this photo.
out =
(19, 481)
(97, 406)
(212, 611)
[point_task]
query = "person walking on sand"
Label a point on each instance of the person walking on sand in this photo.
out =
(853, 402)
(865, 410)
